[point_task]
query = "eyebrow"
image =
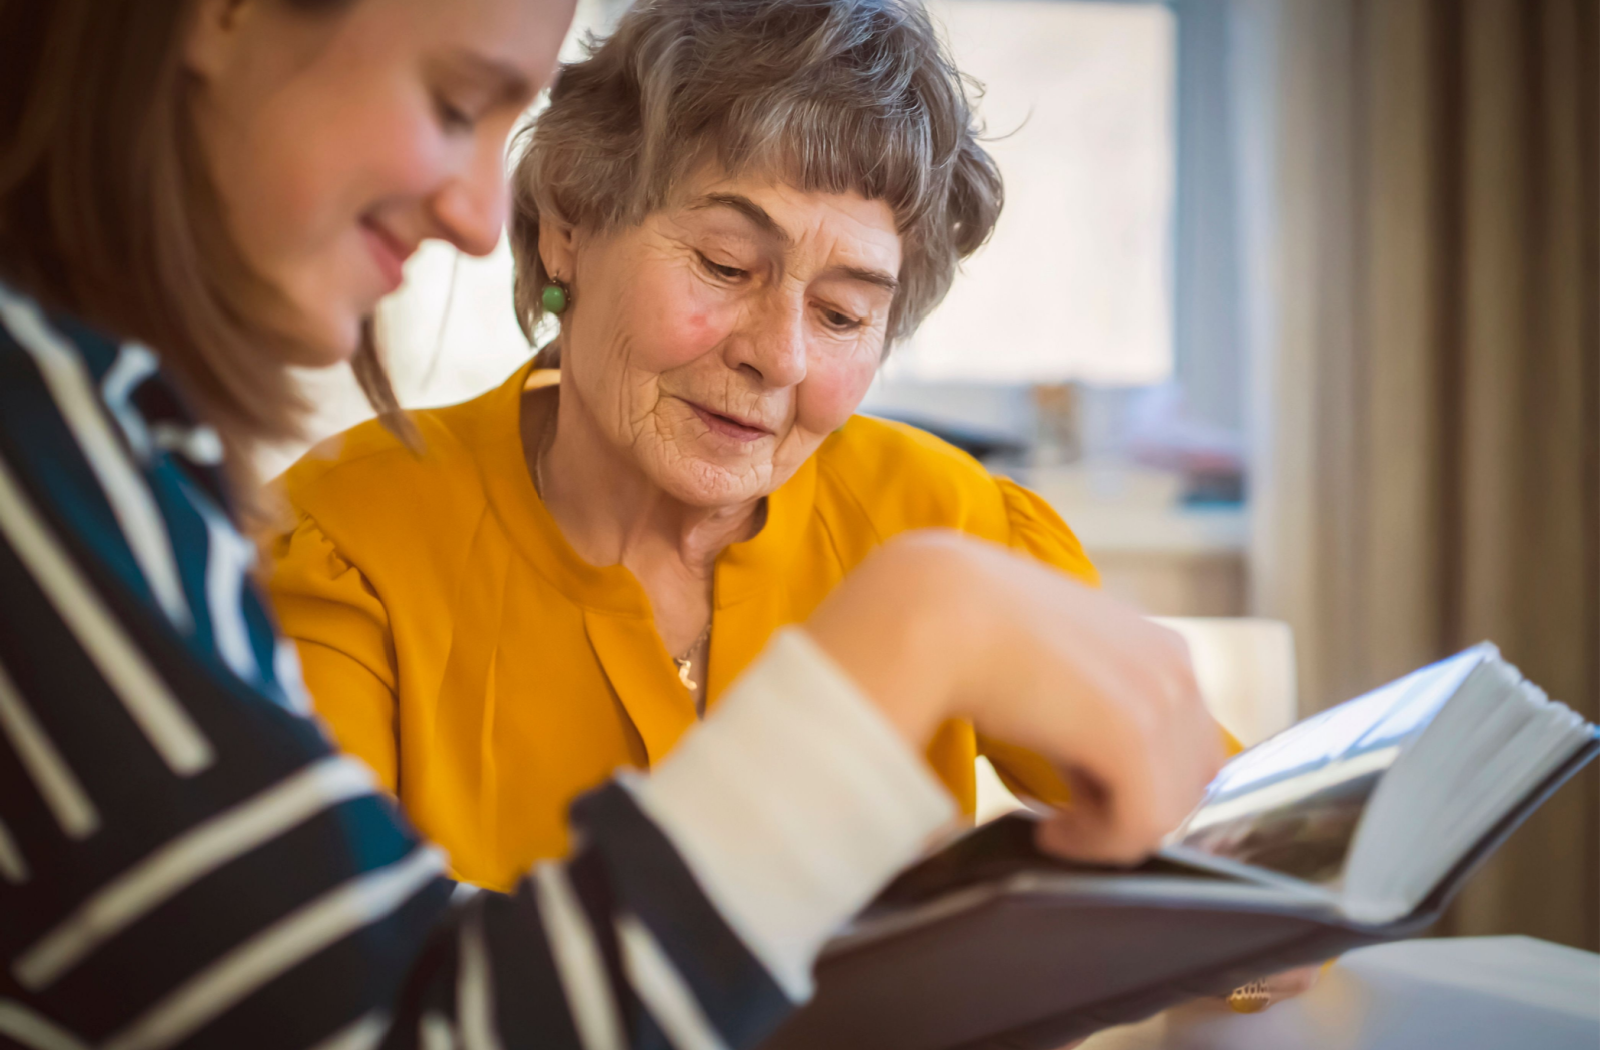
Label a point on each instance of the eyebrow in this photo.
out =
(511, 84)
(749, 209)
(877, 277)
(768, 225)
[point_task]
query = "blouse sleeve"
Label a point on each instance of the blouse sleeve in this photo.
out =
(1037, 530)
(341, 629)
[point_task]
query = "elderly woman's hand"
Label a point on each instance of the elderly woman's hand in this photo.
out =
(937, 626)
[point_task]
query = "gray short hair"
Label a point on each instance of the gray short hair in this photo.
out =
(830, 95)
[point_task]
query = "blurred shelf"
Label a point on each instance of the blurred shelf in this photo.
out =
(1158, 530)
(1129, 509)
(1167, 558)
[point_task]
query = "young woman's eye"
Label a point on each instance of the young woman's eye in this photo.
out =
(727, 273)
(452, 117)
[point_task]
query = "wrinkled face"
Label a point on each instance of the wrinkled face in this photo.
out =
(340, 139)
(721, 340)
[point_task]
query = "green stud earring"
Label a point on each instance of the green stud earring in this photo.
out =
(554, 298)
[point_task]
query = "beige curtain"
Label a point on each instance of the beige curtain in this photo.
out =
(1422, 247)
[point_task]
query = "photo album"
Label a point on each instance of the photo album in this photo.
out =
(1354, 827)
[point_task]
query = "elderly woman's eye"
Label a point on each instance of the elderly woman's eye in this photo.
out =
(840, 321)
(727, 273)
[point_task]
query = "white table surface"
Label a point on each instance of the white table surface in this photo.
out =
(1470, 993)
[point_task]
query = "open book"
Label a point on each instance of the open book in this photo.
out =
(1353, 827)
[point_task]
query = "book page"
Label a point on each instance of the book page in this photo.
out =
(1292, 804)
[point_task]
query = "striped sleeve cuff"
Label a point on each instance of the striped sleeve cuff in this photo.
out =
(793, 804)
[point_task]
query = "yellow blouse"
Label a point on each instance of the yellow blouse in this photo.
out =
(453, 639)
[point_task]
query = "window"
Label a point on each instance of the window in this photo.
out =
(1076, 282)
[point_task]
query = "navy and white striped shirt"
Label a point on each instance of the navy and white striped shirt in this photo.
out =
(185, 861)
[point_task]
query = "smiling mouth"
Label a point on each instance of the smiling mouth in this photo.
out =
(728, 426)
(388, 251)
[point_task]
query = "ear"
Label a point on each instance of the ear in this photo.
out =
(558, 248)
(212, 41)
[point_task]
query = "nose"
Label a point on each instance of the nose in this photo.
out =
(775, 349)
(471, 208)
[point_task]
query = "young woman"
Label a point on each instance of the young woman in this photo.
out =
(195, 196)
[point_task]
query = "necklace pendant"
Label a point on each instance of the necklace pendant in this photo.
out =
(686, 661)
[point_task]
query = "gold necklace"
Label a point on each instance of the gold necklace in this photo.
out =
(686, 661)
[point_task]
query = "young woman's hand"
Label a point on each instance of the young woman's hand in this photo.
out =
(936, 626)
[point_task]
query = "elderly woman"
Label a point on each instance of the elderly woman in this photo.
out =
(734, 209)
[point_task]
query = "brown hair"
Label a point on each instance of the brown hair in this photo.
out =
(830, 95)
(106, 210)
